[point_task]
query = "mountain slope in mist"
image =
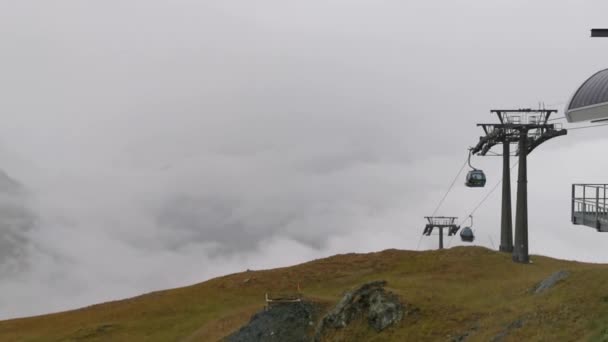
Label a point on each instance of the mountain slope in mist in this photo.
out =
(16, 220)
(465, 293)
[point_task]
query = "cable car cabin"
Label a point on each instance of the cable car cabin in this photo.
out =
(466, 235)
(475, 179)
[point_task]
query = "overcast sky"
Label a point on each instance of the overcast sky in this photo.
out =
(153, 144)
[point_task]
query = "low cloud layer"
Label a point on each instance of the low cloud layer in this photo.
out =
(150, 145)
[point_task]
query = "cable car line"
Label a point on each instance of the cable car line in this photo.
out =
(488, 194)
(561, 117)
(515, 164)
(500, 181)
(467, 160)
(450, 188)
(482, 201)
(491, 241)
(445, 196)
(479, 179)
(476, 177)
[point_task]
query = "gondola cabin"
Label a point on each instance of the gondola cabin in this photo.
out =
(466, 235)
(475, 179)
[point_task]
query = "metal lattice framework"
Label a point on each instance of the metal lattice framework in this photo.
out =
(534, 124)
(528, 128)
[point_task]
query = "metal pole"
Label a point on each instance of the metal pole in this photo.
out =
(520, 251)
(573, 201)
(584, 203)
(597, 208)
(440, 237)
(506, 222)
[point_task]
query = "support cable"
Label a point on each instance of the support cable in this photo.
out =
(446, 194)
(419, 241)
(491, 241)
(451, 186)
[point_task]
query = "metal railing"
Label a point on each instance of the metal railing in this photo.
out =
(441, 220)
(589, 206)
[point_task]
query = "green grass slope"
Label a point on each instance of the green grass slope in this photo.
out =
(461, 291)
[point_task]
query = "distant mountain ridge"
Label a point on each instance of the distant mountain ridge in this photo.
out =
(8, 185)
(16, 220)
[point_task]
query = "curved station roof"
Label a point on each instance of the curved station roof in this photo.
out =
(590, 101)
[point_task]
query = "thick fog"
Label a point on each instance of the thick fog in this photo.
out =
(153, 144)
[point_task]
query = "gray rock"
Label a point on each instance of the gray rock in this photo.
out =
(551, 281)
(282, 322)
(384, 310)
(381, 308)
(517, 324)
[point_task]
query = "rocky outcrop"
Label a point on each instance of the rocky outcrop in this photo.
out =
(282, 322)
(551, 281)
(384, 309)
(295, 321)
(381, 308)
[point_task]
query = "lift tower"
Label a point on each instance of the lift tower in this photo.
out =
(506, 219)
(441, 222)
(528, 129)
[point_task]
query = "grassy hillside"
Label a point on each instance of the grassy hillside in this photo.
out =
(464, 290)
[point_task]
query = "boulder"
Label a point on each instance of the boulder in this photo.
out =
(381, 308)
(281, 322)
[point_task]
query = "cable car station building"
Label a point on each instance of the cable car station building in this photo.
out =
(590, 101)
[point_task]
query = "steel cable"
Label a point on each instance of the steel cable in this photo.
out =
(445, 196)
(450, 188)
